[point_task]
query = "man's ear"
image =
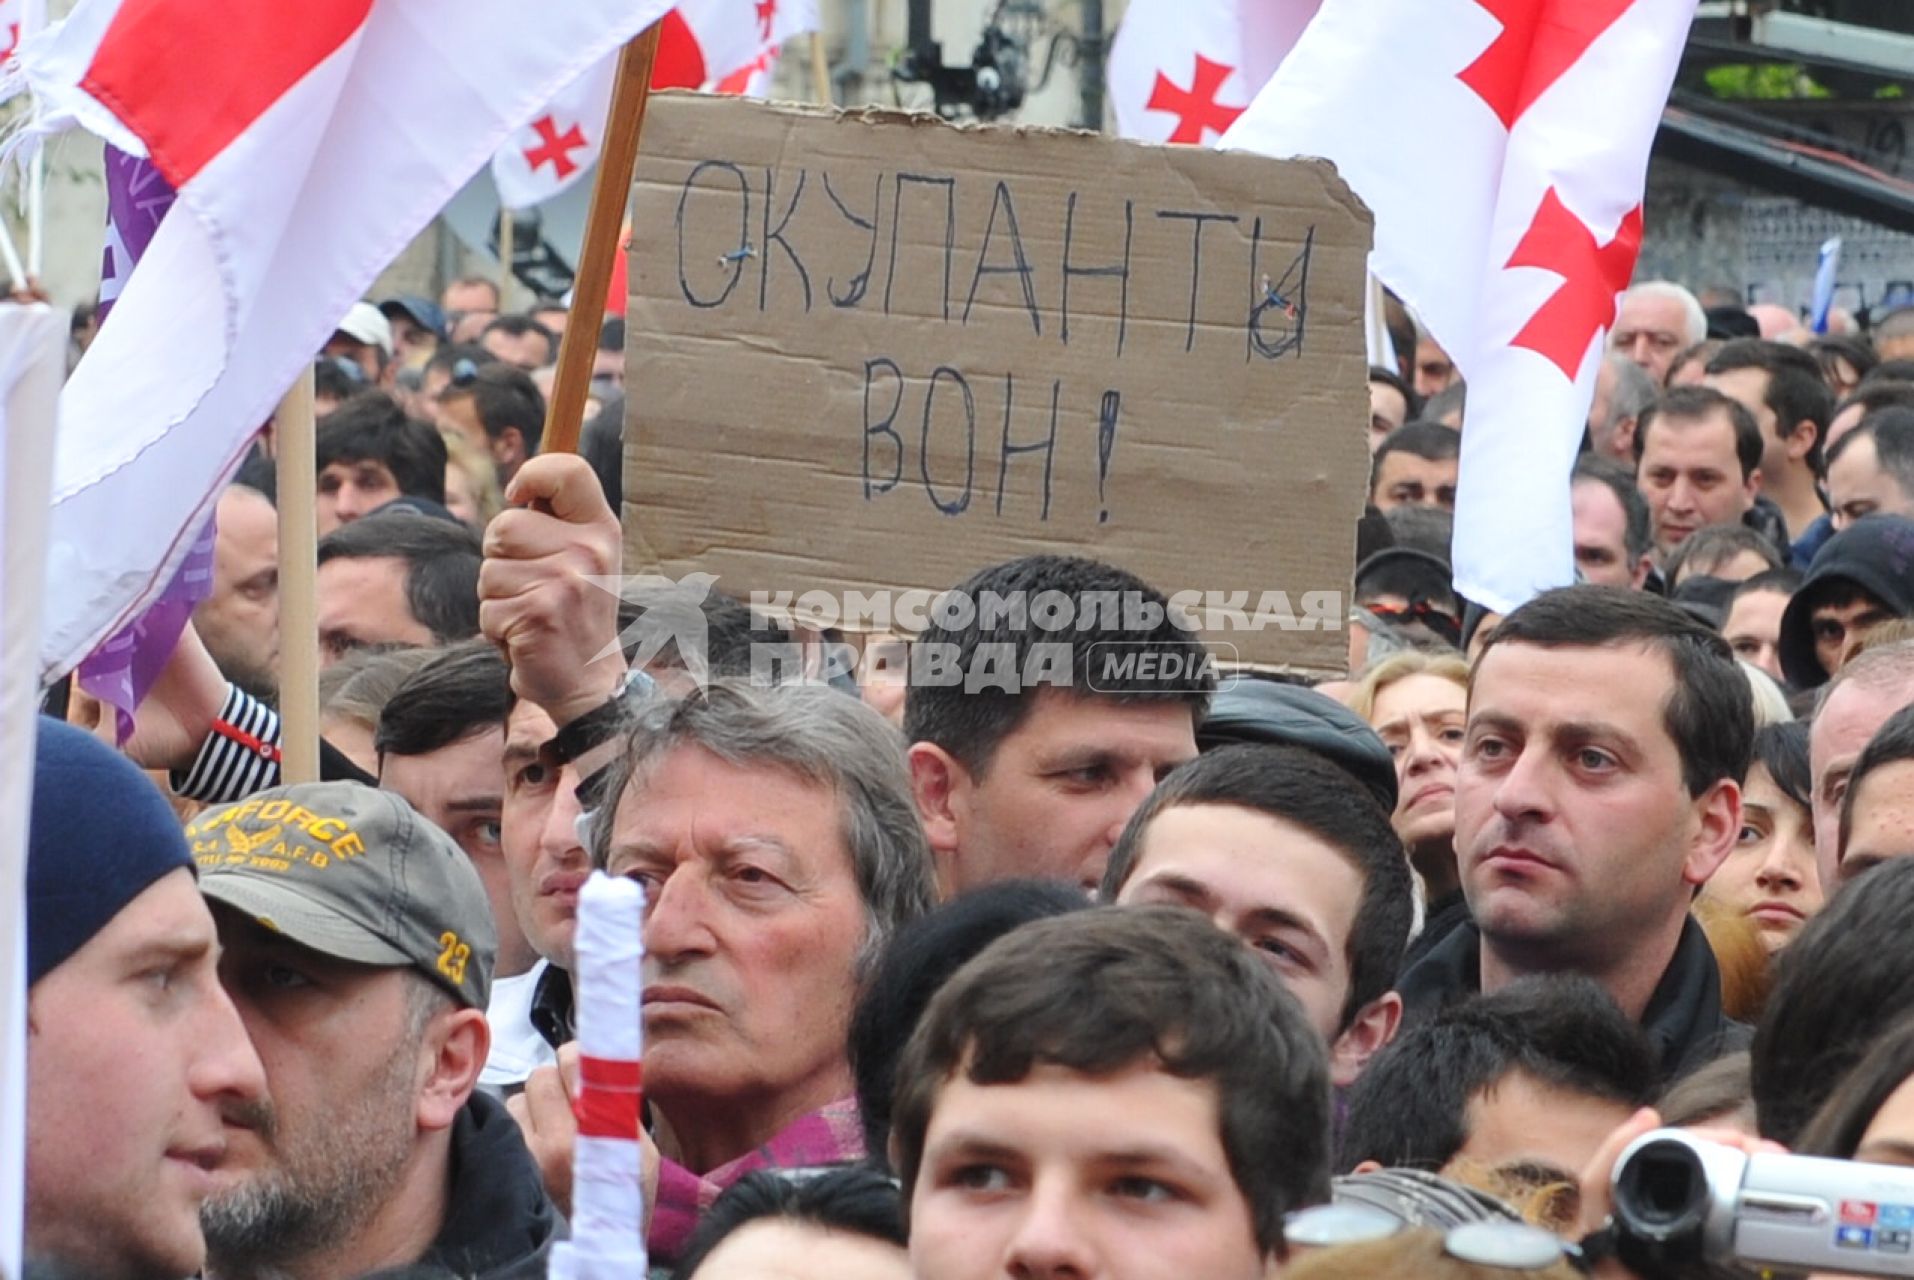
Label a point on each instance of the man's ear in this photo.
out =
(940, 784)
(1717, 826)
(1625, 435)
(1374, 1027)
(451, 1054)
(1800, 441)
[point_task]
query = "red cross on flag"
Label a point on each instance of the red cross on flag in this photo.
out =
(1503, 146)
(309, 143)
(724, 46)
(1183, 70)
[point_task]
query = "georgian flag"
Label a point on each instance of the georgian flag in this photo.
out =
(1184, 70)
(308, 144)
(721, 46)
(1503, 147)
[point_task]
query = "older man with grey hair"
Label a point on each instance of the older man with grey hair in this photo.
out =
(1657, 321)
(1623, 391)
(774, 833)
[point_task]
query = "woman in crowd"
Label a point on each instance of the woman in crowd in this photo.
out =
(1771, 878)
(1418, 705)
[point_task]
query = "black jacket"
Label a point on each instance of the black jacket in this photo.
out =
(1683, 1021)
(499, 1223)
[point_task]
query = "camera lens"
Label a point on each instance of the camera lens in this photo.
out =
(1663, 1187)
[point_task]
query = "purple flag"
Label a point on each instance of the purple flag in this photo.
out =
(120, 671)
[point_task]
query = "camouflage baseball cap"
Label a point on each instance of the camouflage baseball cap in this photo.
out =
(354, 873)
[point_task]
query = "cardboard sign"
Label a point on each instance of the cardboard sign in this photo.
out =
(874, 351)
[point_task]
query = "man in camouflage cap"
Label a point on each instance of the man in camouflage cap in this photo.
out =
(358, 947)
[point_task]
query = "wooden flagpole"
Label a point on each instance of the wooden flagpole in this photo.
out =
(820, 71)
(604, 226)
(298, 603)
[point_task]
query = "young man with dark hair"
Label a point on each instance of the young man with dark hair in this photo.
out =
(1599, 787)
(1293, 855)
(1391, 403)
(1038, 779)
(1416, 464)
(396, 578)
(461, 359)
(1536, 1074)
(1783, 388)
(1612, 529)
(1877, 816)
(499, 409)
(440, 743)
(1752, 626)
(520, 341)
(1871, 395)
(369, 454)
(1121, 1093)
(1871, 468)
(1862, 577)
(1697, 462)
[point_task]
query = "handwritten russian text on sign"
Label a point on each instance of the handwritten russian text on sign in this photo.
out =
(875, 351)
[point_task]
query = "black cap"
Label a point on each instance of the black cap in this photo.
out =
(1874, 554)
(1248, 709)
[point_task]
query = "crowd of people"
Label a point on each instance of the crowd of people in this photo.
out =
(1124, 972)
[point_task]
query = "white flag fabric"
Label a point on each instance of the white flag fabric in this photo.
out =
(309, 144)
(725, 46)
(608, 1241)
(32, 364)
(1503, 147)
(1184, 70)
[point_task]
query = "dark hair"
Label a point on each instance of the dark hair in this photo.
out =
(1838, 1127)
(1708, 713)
(1830, 348)
(916, 961)
(449, 355)
(1411, 402)
(1901, 370)
(1410, 1107)
(1713, 545)
(504, 396)
(1782, 749)
(441, 566)
(1892, 430)
(1430, 441)
(1877, 393)
(462, 691)
(1709, 1094)
(611, 334)
(1638, 530)
(1784, 581)
(856, 1201)
(260, 474)
(1846, 975)
(1892, 743)
(371, 427)
(1300, 787)
(971, 723)
(1695, 403)
(515, 325)
(602, 445)
(1098, 991)
(1796, 390)
(1418, 577)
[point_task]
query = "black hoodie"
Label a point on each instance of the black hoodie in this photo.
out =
(499, 1223)
(1874, 554)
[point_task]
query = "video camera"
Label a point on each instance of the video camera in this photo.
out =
(1681, 1200)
